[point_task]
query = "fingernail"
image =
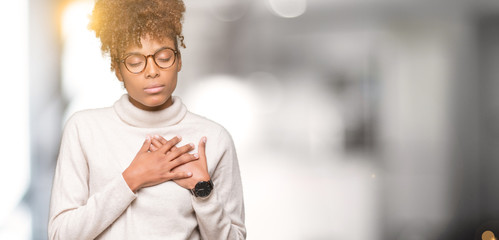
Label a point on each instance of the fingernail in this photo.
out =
(191, 144)
(189, 174)
(179, 138)
(204, 139)
(148, 138)
(196, 155)
(156, 136)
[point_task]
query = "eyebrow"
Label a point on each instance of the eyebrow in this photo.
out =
(133, 53)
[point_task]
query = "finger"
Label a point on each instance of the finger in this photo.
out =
(169, 144)
(145, 146)
(180, 175)
(172, 149)
(161, 139)
(202, 147)
(156, 143)
(185, 158)
(153, 148)
(179, 151)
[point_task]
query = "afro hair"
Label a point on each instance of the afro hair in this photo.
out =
(122, 23)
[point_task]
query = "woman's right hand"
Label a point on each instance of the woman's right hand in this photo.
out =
(152, 168)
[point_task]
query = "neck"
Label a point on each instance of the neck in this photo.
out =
(172, 113)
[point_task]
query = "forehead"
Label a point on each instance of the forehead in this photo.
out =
(150, 45)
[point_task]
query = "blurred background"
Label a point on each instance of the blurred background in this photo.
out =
(353, 119)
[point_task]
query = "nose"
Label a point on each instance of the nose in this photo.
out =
(151, 70)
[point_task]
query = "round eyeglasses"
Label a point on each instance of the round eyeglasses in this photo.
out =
(163, 58)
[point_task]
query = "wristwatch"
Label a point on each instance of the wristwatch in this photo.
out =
(202, 189)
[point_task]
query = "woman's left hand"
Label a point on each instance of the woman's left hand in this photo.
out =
(199, 168)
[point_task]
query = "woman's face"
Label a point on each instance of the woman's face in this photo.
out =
(152, 88)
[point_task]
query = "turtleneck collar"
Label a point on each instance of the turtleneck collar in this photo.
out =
(137, 117)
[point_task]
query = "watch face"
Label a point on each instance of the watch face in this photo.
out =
(203, 189)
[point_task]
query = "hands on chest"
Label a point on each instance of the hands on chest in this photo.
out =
(160, 160)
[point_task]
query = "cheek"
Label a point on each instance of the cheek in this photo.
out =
(132, 88)
(174, 82)
(171, 80)
(129, 86)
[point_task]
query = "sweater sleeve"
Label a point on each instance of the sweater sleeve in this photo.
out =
(73, 213)
(221, 215)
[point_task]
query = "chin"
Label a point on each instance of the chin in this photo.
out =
(156, 101)
(151, 102)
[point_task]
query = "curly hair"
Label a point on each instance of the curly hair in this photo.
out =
(121, 23)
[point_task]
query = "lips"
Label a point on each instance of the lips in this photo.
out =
(154, 89)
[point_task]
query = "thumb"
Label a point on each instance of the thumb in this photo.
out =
(145, 146)
(202, 147)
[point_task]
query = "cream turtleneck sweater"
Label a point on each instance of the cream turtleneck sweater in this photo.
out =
(91, 200)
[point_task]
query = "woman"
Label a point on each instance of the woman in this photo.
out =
(109, 182)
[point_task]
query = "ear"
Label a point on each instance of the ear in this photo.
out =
(117, 71)
(179, 65)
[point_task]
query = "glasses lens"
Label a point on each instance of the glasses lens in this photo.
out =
(164, 58)
(135, 63)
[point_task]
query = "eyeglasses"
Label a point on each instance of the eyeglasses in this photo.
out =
(163, 58)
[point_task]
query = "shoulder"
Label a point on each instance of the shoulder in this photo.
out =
(88, 117)
(192, 118)
(207, 125)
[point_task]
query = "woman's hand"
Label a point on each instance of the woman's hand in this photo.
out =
(152, 168)
(199, 169)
